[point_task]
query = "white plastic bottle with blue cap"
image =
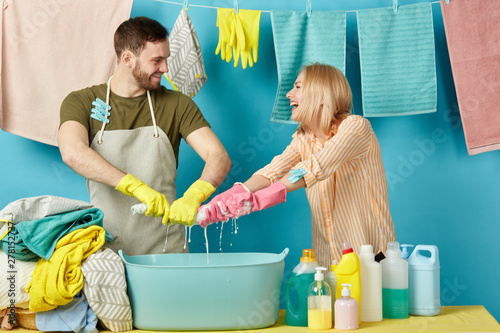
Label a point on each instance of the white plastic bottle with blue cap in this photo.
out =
(423, 275)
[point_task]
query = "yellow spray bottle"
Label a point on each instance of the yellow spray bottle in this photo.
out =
(348, 271)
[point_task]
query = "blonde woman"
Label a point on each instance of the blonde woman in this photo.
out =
(333, 154)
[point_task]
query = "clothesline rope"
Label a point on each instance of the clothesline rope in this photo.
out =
(264, 11)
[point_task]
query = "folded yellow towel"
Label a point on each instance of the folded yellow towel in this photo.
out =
(56, 281)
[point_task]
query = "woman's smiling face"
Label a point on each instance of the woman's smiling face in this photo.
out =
(295, 95)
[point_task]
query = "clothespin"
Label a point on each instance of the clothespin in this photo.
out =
(395, 6)
(235, 2)
(308, 8)
(185, 5)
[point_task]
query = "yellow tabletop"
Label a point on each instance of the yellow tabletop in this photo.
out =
(451, 319)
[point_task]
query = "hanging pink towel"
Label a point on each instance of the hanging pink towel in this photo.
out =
(472, 29)
(50, 48)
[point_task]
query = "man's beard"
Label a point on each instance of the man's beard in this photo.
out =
(143, 79)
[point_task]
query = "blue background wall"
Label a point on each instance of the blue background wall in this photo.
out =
(438, 193)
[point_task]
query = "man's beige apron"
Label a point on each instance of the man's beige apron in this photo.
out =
(151, 159)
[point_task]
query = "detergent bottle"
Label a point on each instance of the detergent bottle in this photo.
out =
(423, 281)
(394, 283)
(348, 271)
(331, 279)
(300, 279)
(346, 310)
(319, 302)
(371, 285)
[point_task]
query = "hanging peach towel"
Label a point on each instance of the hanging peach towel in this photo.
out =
(472, 35)
(50, 48)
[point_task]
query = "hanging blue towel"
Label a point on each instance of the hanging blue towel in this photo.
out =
(300, 40)
(398, 68)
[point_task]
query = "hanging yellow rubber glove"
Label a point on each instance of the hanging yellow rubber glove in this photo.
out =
(225, 22)
(247, 36)
(157, 203)
(184, 209)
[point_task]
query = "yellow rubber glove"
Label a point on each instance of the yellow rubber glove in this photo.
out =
(225, 22)
(157, 203)
(247, 35)
(184, 209)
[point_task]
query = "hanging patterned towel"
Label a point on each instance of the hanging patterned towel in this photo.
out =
(186, 71)
(398, 68)
(300, 40)
(472, 33)
(238, 35)
(50, 33)
(106, 290)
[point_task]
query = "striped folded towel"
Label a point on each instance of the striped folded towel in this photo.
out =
(105, 286)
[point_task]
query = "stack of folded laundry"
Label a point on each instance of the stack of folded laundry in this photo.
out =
(53, 263)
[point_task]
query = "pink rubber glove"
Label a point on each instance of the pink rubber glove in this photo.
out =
(247, 202)
(213, 211)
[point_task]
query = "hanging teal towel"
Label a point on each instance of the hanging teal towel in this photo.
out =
(300, 40)
(398, 68)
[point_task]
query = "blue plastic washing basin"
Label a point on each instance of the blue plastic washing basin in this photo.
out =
(182, 292)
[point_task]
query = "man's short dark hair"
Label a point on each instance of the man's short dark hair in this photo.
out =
(134, 33)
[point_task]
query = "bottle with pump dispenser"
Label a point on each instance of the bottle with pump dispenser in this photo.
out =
(405, 252)
(371, 286)
(394, 283)
(300, 279)
(348, 271)
(346, 310)
(319, 302)
(331, 279)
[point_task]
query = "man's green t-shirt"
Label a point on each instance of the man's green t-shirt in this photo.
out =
(175, 113)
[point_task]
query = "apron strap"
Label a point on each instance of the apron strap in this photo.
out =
(108, 93)
(152, 114)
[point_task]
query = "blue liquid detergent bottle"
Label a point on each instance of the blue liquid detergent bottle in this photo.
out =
(300, 279)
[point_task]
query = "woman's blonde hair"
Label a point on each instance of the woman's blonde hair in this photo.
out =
(326, 94)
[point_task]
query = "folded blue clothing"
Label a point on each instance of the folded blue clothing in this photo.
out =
(32, 240)
(76, 316)
(301, 40)
(398, 68)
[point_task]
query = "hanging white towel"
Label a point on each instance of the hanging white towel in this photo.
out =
(50, 48)
(186, 71)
